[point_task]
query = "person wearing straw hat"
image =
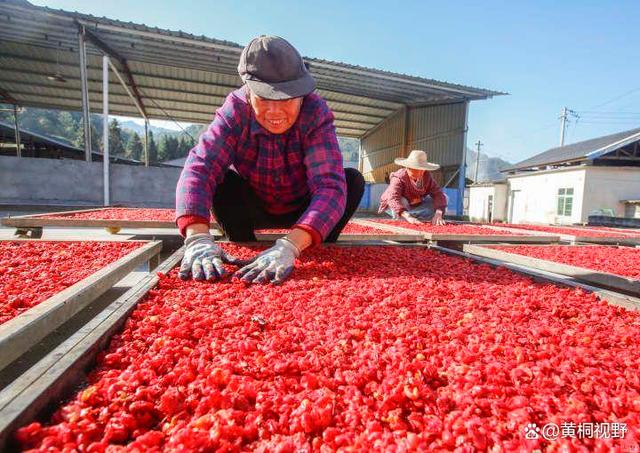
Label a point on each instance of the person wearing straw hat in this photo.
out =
(269, 159)
(413, 195)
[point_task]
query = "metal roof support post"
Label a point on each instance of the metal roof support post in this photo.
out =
(405, 132)
(463, 163)
(105, 130)
(136, 100)
(17, 128)
(86, 125)
(146, 142)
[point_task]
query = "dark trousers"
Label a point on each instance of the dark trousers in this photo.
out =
(239, 211)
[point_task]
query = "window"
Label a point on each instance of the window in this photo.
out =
(565, 201)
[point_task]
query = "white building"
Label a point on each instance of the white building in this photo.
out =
(565, 185)
(488, 202)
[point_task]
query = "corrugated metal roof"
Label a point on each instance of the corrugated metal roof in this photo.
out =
(180, 74)
(588, 149)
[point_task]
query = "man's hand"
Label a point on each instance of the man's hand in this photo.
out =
(437, 218)
(273, 265)
(203, 259)
(409, 218)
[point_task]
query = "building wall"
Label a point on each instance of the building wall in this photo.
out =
(595, 189)
(381, 147)
(479, 203)
(73, 182)
(376, 192)
(500, 200)
(537, 197)
(632, 210)
(436, 129)
(606, 186)
(439, 131)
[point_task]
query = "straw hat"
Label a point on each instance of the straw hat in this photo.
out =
(417, 160)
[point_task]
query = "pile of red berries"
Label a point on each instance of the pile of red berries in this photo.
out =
(625, 231)
(350, 228)
(583, 232)
(33, 271)
(129, 214)
(140, 214)
(363, 349)
(449, 228)
(623, 261)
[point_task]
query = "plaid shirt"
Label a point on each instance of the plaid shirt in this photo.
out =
(401, 186)
(287, 171)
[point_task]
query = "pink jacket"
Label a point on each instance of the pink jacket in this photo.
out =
(400, 186)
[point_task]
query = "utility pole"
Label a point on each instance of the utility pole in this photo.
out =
(564, 117)
(478, 145)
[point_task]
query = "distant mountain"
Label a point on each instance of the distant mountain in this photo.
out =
(193, 130)
(488, 167)
(139, 129)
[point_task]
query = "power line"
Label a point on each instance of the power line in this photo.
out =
(526, 135)
(572, 132)
(611, 122)
(615, 98)
(599, 112)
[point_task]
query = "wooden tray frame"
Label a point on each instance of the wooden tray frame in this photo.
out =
(23, 332)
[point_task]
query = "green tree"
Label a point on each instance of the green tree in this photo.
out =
(168, 148)
(152, 148)
(116, 145)
(186, 143)
(135, 148)
(76, 130)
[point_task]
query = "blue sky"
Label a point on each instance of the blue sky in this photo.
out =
(547, 54)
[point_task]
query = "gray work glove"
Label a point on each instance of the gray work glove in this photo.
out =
(273, 265)
(411, 219)
(203, 259)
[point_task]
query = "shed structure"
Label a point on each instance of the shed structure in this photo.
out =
(71, 61)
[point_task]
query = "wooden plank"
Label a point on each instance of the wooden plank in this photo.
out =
(492, 238)
(21, 333)
(60, 371)
(623, 231)
(603, 279)
(630, 240)
(611, 297)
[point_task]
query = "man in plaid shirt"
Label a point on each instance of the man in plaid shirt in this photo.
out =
(270, 158)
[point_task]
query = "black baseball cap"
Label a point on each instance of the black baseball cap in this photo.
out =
(273, 69)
